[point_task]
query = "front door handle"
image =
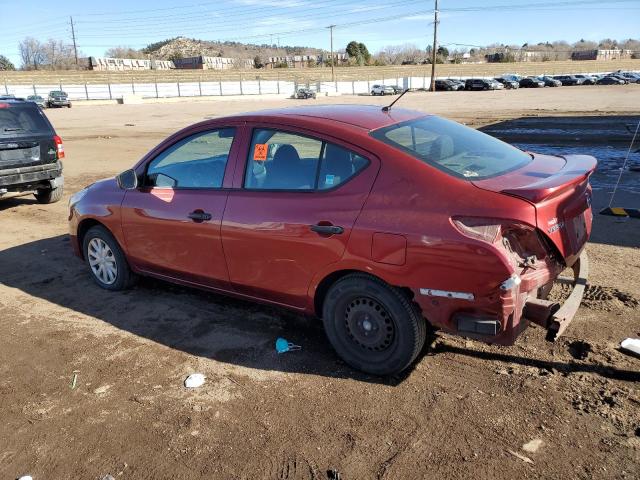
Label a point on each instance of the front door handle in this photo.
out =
(199, 216)
(327, 229)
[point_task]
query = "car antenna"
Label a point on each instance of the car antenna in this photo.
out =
(388, 107)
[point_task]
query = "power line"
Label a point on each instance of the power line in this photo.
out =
(225, 25)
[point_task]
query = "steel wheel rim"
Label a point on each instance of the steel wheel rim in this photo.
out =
(102, 261)
(369, 325)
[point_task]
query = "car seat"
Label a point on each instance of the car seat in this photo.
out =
(336, 166)
(286, 170)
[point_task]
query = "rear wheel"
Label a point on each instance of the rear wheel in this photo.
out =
(373, 326)
(106, 260)
(49, 195)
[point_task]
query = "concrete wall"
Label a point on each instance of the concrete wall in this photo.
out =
(152, 89)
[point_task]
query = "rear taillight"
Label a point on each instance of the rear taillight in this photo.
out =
(490, 230)
(59, 147)
(485, 229)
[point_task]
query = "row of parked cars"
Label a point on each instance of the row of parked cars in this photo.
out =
(55, 99)
(517, 81)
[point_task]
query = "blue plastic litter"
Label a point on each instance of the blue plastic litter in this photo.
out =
(284, 346)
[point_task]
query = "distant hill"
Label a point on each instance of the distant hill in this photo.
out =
(180, 47)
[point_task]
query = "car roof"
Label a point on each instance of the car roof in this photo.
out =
(369, 117)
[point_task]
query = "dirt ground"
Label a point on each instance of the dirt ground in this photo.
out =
(465, 411)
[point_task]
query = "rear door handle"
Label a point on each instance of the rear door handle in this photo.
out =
(327, 229)
(199, 216)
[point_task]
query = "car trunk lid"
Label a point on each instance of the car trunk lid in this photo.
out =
(558, 187)
(27, 151)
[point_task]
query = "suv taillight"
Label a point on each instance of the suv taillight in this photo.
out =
(59, 147)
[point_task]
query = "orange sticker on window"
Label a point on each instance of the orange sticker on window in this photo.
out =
(260, 152)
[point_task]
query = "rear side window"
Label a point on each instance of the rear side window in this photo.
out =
(21, 119)
(288, 161)
(198, 161)
(457, 150)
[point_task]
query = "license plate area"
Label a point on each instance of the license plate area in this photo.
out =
(579, 223)
(20, 155)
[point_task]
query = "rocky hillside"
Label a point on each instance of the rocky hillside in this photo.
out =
(180, 47)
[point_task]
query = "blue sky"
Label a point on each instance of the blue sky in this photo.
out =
(377, 23)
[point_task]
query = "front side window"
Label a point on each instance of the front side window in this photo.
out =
(288, 161)
(457, 150)
(197, 161)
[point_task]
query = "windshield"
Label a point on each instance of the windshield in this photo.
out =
(21, 120)
(457, 150)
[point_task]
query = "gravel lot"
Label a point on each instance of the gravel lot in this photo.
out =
(466, 409)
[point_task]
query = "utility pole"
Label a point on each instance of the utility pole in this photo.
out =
(434, 48)
(73, 35)
(333, 75)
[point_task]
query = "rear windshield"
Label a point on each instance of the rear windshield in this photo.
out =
(457, 150)
(22, 120)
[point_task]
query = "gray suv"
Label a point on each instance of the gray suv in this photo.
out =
(30, 152)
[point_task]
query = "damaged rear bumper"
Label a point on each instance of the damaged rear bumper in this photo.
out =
(556, 317)
(500, 316)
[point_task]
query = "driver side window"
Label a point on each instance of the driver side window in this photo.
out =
(197, 161)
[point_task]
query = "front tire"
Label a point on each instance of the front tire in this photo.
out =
(373, 326)
(49, 195)
(106, 260)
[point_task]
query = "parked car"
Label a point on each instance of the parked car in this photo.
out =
(549, 81)
(569, 80)
(448, 85)
(460, 83)
(30, 152)
(619, 77)
(37, 99)
(381, 224)
(382, 90)
(531, 82)
(587, 79)
(397, 89)
(482, 84)
(608, 80)
(630, 76)
(58, 98)
(304, 93)
(508, 84)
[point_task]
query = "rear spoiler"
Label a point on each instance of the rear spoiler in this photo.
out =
(576, 169)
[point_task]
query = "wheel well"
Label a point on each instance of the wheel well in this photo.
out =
(83, 228)
(329, 280)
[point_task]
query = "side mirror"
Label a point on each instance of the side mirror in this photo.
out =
(128, 180)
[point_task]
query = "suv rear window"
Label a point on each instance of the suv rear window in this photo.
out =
(453, 148)
(22, 119)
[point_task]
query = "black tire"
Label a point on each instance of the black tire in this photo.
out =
(49, 195)
(373, 326)
(124, 277)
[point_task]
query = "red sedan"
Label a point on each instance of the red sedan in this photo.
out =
(382, 223)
